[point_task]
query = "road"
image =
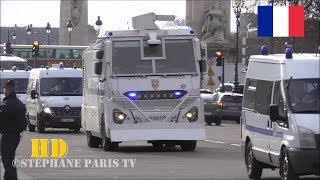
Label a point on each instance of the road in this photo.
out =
(219, 157)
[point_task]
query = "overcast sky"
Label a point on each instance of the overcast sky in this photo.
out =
(113, 13)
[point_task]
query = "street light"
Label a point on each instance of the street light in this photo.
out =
(48, 29)
(14, 36)
(237, 12)
(98, 23)
(28, 29)
(69, 26)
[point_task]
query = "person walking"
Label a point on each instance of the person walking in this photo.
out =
(12, 123)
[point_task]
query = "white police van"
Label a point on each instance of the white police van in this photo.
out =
(7, 61)
(280, 114)
(54, 98)
(20, 77)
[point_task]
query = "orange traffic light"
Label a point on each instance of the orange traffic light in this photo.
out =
(218, 54)
(36, 43)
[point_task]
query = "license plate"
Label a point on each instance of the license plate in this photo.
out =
(157, 118)
(67, 120)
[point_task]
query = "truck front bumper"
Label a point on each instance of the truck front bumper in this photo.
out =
(157, 131)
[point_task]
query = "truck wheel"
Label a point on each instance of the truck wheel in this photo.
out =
(218, 121)
(40, 125)
(93, 142)
(188, 145)
(76, 129)
(286, 171)
(157, 144)
(107, 145)
(254, 168)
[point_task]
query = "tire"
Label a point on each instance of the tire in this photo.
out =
(238, 121)
(31, 127)
(92, 141)
(40, 125)
(157, 145)
(254, 167)
(106, 144)
(286, 171)
(77, 129)
(209, 122)
(188, 145)
(218, 122)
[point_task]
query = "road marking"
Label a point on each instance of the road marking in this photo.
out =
(235, 144)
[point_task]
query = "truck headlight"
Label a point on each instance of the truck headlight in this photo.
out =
(192, 114)
(47, 110)
(307, 138)
(118, 116)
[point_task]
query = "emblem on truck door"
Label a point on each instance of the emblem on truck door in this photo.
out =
(155, 83)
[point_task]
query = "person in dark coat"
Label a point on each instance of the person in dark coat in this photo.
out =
(12, 123)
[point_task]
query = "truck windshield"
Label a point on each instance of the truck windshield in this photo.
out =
(21, 85)
(66, 86)
(7, 65)
(303, 95)
(178, 57)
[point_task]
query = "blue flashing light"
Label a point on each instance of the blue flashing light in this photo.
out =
(289, 53)
(177, 93)
(110, 33)
(133, 94)
(191, 31)
(264, 50)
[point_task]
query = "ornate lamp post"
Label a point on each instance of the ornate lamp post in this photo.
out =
(237, 12)
(28, 29)
(48, 29)
(14, 36)
(69, 26)
(98, 23)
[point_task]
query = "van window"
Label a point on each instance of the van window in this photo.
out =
(263, 96)
(249, 95)
(278, 98)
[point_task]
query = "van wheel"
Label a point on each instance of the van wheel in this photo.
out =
(93, 142)
(209, 122)
(286, 171)
(31, 127)
(107, 145)
(40, 125)
(188, 145)
(218, 121)
(254, 167)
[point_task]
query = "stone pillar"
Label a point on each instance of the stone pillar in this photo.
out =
(195, 10)
(77, 11)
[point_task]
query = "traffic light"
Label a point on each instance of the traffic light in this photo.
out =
(8, 48)
(35, 49)
(219, 58)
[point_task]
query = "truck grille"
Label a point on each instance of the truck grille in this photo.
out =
(62, 112)
(151, 104)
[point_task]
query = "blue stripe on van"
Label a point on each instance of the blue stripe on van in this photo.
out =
(259, 130)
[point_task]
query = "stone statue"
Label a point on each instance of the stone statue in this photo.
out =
(75, 12)
(214, 27)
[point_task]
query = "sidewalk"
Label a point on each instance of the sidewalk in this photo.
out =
(21, 175)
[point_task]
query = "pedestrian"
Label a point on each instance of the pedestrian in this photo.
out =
(12, 123)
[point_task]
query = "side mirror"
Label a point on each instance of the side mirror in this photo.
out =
(99, 54)
(98, 68)
(274, 112)
(34, 95)
(203, 66)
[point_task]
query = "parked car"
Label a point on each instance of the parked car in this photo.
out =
(228, 87)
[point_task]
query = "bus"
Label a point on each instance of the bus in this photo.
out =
(50, 55)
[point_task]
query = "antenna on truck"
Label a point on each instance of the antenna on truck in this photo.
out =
(146, 21)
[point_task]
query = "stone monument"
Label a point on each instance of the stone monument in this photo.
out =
(77, 12)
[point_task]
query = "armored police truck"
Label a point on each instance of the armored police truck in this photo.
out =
(144, 85)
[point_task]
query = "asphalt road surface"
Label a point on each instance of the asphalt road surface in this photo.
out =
(219, 157)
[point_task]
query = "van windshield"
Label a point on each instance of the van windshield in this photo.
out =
(66, 86)
(303, 95)
(21, 84)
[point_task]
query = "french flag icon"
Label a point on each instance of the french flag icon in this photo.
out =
(281, 21)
